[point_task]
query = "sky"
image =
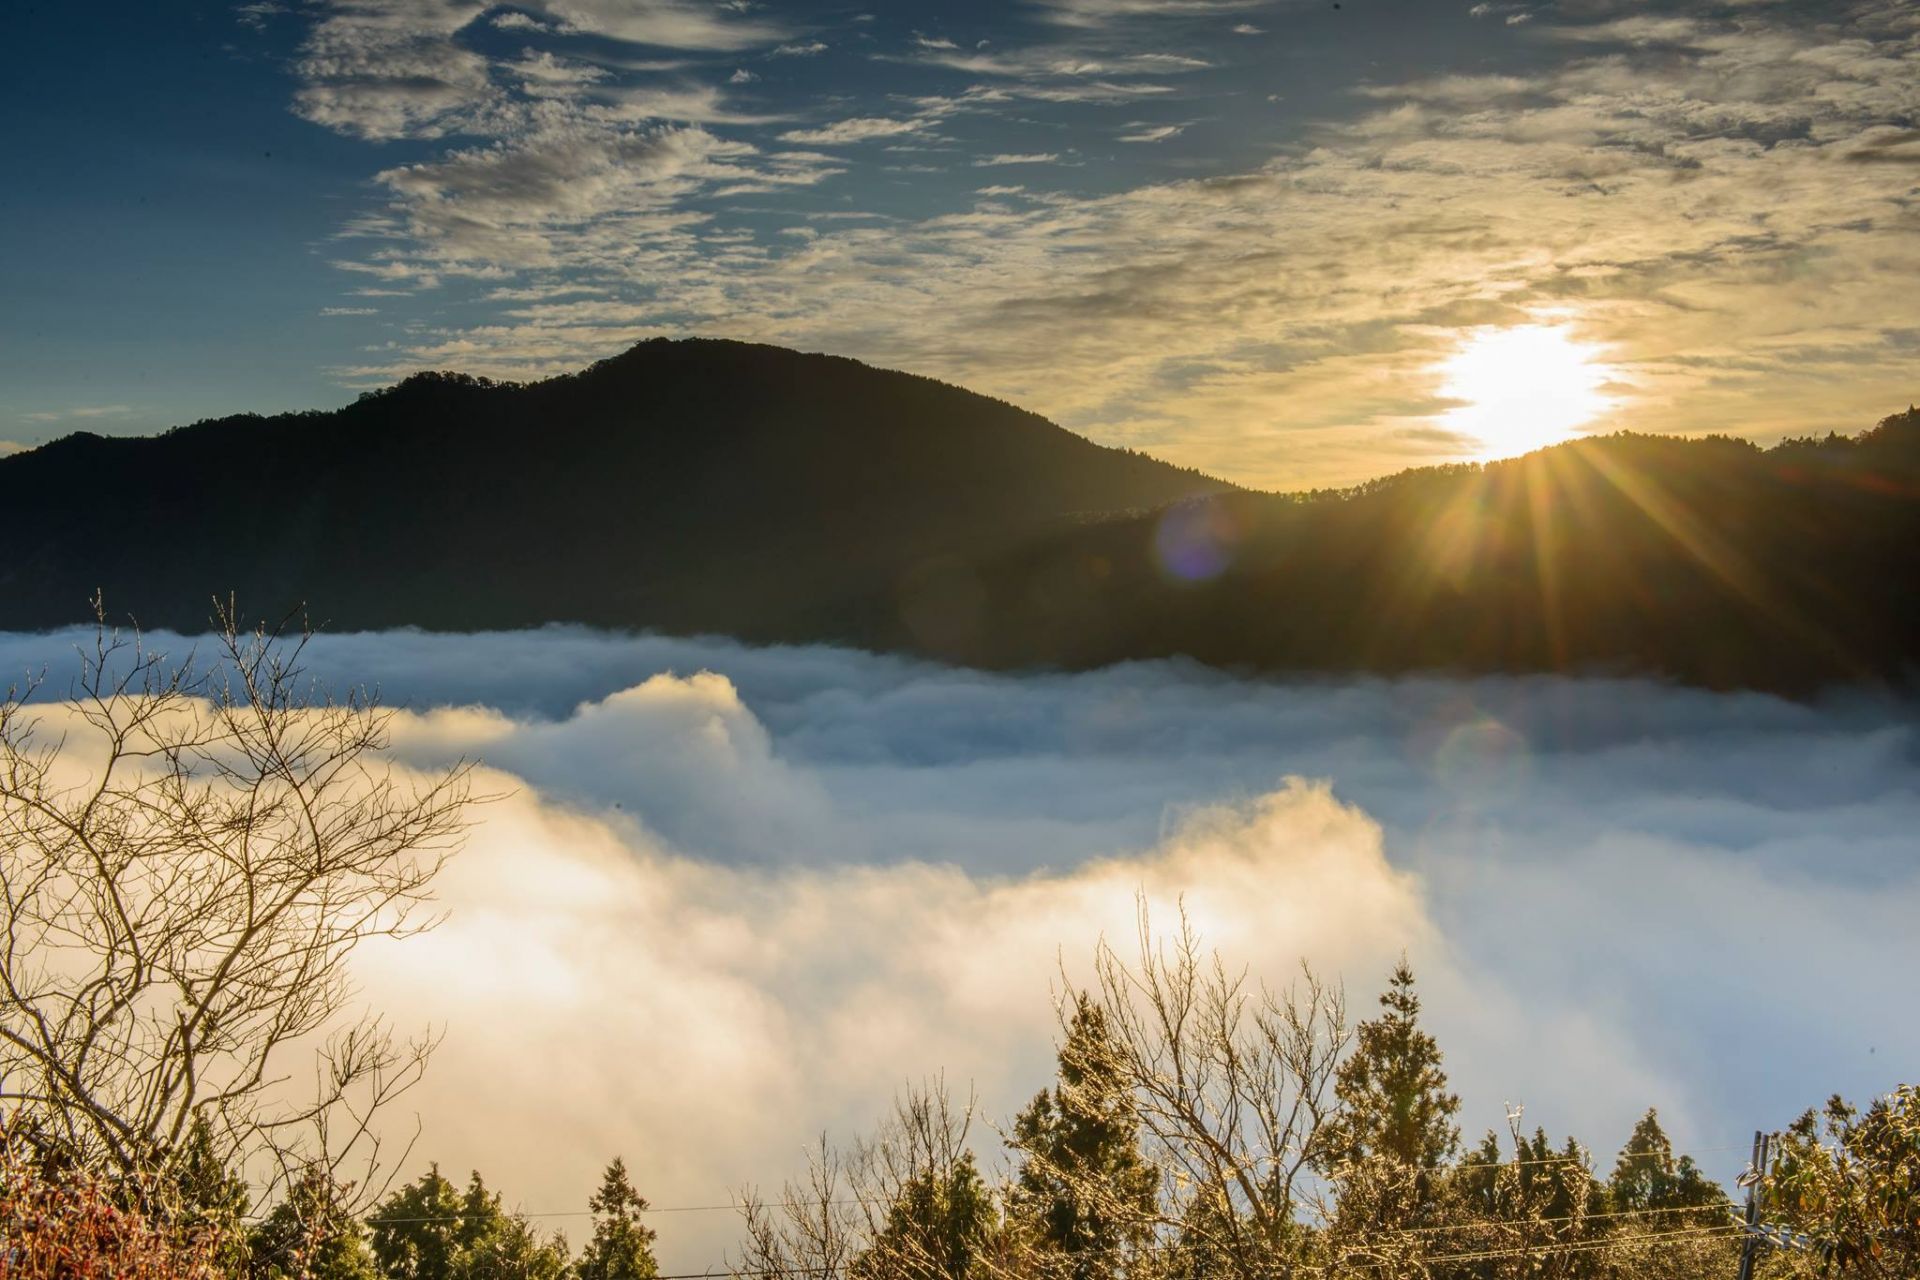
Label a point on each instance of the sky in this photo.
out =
(724, 899)
(1290, 243)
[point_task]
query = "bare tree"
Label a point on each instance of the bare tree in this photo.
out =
(813, 1232)
(1232, 1083)
(188, 857)
(909, 1203)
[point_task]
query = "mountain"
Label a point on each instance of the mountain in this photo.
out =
(1707, 561)
(723, 487)
(695, 485)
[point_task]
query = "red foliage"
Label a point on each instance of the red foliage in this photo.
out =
(72, 1227)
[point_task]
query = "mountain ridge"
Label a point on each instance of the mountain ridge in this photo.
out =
(710, 486)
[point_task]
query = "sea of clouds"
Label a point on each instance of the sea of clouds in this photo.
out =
(726, 898)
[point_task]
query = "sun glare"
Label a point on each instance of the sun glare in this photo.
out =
(1523, 388)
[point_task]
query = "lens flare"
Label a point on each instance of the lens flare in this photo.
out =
(1195, 540)
(1523, 388)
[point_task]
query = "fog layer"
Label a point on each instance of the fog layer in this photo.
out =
(730, 898)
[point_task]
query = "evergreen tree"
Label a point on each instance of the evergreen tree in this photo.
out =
(512, 1250)
(206, 1195)
(1084, 1190)
(1393, 1092)
(1544, 1199)
(622, 1246)
(938, 1225)
(310, 1236)
(417, 1230)
(1647, 1177)
(480, 1215)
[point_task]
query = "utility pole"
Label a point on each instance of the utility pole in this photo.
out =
(1753, 1178)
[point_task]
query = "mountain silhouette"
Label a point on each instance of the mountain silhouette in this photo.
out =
(709, 486)
(696, 485)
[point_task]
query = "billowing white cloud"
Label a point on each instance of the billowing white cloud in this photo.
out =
(731, 897)
(601, 994)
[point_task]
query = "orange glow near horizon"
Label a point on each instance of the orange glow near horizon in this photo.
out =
(1523, 388)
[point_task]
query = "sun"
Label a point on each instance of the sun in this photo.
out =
(1524, 387)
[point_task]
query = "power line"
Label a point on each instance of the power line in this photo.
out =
(1323, 1269)
(735, 1206)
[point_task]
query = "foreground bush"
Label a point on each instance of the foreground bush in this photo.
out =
(76, 1226)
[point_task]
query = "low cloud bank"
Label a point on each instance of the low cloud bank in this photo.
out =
(733, 897)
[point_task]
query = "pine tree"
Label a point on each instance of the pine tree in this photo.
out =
(1084, 1190)
(622, 1246)
(204, 1194)
(941, 1221)
(311, 1236)
(1393, 1090)
(480, 1215)
(1647, 1177)
(416, 1230)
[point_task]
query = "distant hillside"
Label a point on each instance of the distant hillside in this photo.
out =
(721, 487)
(693, 485)
(1708, 561)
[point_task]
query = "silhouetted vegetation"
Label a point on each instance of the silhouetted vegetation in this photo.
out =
(684, 485)
(1710, 561)
(1155, 1154)
(721, 487)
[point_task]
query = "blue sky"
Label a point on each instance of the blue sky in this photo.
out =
(1242, 234)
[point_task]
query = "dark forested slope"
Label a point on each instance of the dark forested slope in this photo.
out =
(684, 485)
(717, 486)
(1709, 561)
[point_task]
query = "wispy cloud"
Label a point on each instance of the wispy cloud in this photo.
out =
(387, 69)
(1723, 203)
(256, 14)
(516, 21)
(1098, 13)
(857, 129)
(79, 413)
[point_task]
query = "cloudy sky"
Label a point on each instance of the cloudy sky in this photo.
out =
(1255, 236)
(728, 899)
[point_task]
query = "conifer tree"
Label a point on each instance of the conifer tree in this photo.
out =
(311, 1235)
(1084, 1190)
(1392, 1089)
(417, 1230)
(206, 1195)
(622, 1246)
(1647, 1177)
(510, 1249)
(939, 1224)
